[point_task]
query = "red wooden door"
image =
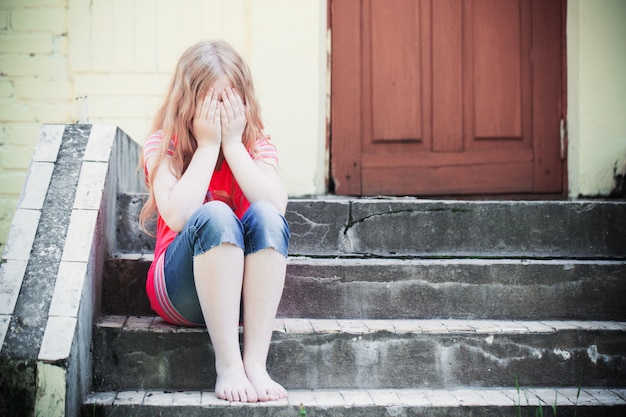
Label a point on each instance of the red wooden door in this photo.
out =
(446, 96)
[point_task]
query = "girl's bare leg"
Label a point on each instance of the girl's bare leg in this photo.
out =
(219, 277)
(264, 277)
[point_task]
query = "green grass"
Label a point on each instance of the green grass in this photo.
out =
(538, 412)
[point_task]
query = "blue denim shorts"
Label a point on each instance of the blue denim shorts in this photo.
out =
(261, 227)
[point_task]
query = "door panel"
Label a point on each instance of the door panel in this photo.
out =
(496, 48)
(447, 79)
(395, 63)
(445, 96)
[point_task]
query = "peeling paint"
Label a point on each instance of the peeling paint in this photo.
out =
(395, 411)
(51, 390)
(594, 355)
(562, 353)
(446, 361)
(592, 352)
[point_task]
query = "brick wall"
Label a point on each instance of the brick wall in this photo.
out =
(119, 55)
(35, 88)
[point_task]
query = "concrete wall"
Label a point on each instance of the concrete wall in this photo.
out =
(596, 49)
(119, 54)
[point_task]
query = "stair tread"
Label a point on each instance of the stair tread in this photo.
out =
(466, 397)
(418, 260)
(365, 326)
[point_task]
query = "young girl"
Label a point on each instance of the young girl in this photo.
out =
(221, 231)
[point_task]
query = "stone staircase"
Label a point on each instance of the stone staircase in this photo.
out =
(396, 307)
(392, 307)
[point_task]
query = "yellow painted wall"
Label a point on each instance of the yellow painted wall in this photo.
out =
(596, 48)
(120, 55)
(35, 88)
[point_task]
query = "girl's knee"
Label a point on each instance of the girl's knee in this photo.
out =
(214, 224)
(265, 215)
(265, 228)
(211, 213)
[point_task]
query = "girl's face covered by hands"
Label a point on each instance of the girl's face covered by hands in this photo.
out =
(220, 116)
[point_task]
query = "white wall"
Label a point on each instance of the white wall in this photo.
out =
(596, 49)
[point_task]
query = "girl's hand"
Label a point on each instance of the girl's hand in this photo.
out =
(207, 127)
(233, 116)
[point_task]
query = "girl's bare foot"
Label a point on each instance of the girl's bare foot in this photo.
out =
(235, 387)
(266, 388)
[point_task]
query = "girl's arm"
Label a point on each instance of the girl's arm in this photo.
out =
(178, 198)
(258, 180)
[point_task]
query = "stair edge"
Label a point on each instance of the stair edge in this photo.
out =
(461, 397)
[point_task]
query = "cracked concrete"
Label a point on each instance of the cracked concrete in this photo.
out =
(425, 228)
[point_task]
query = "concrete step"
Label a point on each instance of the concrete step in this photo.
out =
(140, 353)
(461, 402)
(357, 288)
(433, 228)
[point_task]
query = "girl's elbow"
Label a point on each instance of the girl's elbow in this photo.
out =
(281, 206)
(174, 222)
(174, 226)
(281, 202)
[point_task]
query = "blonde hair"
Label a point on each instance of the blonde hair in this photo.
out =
(197, 70)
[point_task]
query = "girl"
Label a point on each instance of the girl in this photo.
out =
(220, 204)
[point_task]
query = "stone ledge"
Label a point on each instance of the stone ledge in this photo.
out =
(5, 319)
(49, 142)
(36, 186)
(331, 326)
(22, 234)
(418, 398)
(11, 277)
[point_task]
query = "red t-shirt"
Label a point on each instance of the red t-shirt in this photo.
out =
(223, 187)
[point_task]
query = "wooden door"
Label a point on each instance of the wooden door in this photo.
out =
(446, 96)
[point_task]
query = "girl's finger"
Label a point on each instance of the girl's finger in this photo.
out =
(206, 105)
(212, 105)
(216, 113)
(223, 113)
(227, 104)
(240, 102)
(200, 108)
(235, 101)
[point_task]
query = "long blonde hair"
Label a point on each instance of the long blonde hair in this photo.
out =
(197, 70)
